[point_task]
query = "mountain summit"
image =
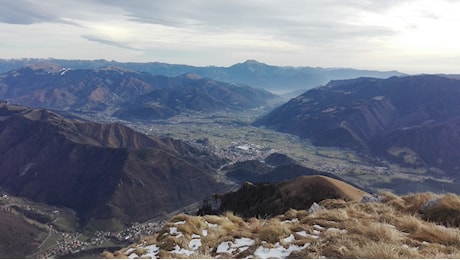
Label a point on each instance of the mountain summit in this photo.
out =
(277, 79)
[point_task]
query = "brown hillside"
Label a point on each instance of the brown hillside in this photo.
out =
(104, 172)
(263, 199)
(341, 189)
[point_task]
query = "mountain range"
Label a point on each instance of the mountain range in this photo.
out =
(411, 120)
(276, 79)
(124, 93)
(108, 173)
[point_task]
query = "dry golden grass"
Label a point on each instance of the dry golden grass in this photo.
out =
(445, 211)
(273, 231)
(395, 228)
(413, 202)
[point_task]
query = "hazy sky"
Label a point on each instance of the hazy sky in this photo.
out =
(413, 36)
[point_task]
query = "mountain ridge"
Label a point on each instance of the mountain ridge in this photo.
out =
(379, 117)
(124, 93)
(277, 79)
(106, 173)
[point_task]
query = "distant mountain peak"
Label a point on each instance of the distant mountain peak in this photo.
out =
(252, 62)
(45, 66)
(192, 76)
(116, 69)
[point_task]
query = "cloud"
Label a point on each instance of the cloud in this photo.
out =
(110, 42)
(25, 12)
(291, 32)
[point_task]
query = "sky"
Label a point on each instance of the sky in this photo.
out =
(412, 36)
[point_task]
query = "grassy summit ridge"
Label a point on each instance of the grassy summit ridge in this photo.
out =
(420, 225)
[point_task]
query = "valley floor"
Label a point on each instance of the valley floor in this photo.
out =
(231, 136)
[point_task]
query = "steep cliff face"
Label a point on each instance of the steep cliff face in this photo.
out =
(104, 172)
(374, 115)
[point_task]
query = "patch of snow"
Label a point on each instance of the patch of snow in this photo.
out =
(318, 227)
(289, 239)
(133, 255)
(195, 236)
(229, 246)
(204, 232)
(244, 147)
(194, 244)
(173, 231)
(278, 251)
(152, 253)
(302, 233)
(316, 232)
(290, 221)
(129, 251)
(64, 70)
(180, 223)
(225, 247)
(211, 225)
(182, 251)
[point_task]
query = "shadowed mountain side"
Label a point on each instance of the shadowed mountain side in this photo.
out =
(195, 94)
(256, 200)
(380, 117)
(258, 172)
(105, 172)
(275, 168)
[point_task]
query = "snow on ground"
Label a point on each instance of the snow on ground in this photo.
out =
(211, 225)
(173, 231)
(302, 233)
(229, 247)
(226, 248)
(289, 239)
(152, 252)
(290, 221)
(278, 251)
(182, 251)
(195, 244)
